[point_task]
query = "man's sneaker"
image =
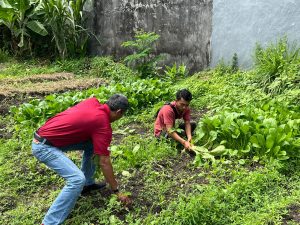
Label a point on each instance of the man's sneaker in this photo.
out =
(92, 187)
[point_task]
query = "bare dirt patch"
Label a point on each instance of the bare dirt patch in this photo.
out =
(293, 215)
(196, 115)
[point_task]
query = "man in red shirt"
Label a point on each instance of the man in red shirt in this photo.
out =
(165, 120)
(85, 126)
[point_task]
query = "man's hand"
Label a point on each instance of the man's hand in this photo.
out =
(187, 145)
(124, 199)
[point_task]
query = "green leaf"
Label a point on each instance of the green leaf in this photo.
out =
(242, 161)
(213, 134)
(247, 149)
(270, 140)
(136, 148)
(126, 173)
(254, 141)
(220, 150)
(199, 149)
(5, 4)
(255, 158)
(113, 148)
(37, 27)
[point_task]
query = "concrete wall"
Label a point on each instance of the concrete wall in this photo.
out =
(185, 28)
(239, 24)
(198, 33)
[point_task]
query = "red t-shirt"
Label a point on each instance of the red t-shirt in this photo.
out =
(166, 116)
(88, 120)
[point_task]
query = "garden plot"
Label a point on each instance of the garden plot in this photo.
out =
(153, 187)
(17, 91)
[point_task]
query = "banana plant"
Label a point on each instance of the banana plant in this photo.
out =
(19, 17)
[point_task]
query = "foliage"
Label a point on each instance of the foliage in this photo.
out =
(22, 68)
(140, 94)
(134, 151)
(277, 66)
(143, 59)
(174, 72)
(223, 68)
(14, 68)
(263, 133)
(65, 20)
(80, 66)
(21, 17)
(240, 175)
(257, 193)
(60, 21)
(4, 56)
(234, 63)
(105, 67)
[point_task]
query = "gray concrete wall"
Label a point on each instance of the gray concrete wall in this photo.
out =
(185, 28)
(239, 24)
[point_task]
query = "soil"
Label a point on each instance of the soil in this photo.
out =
(293, 215)
(176, 169)
(18, 91)
(196, 115)
(136, 128)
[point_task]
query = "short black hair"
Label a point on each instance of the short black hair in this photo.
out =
(118, 101)
(185, 94)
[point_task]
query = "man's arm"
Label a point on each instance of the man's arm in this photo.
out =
(108, 173)
(177, 138)
(188, 130)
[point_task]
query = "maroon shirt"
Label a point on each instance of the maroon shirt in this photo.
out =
(88, 120)
(166, 116)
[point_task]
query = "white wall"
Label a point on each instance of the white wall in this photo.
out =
(239, 24)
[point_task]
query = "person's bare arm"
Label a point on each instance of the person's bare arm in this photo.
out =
(188, 130)
(177, 138)
(107, 170)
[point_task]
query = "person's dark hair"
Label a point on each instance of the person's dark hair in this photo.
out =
(185, 94)
(118, 101)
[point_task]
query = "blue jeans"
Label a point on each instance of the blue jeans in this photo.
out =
(76, 179)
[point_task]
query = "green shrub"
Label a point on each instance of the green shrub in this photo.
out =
(234, 63)
(264, 132)
(4, 56)
(174, 72)
(226, 68)
(143, 60)
(77, 66)
(277, 66)
(140, 93)
(105, 67)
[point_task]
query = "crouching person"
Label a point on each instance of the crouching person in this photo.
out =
(165, 120)
(85, 126)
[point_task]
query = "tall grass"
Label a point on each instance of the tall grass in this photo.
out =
(277, 66)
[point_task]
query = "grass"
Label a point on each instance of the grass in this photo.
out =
(166, 186)
(13, 68)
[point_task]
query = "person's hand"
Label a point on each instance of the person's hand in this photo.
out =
(190, 139)
(187, 145)
(124, 198)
